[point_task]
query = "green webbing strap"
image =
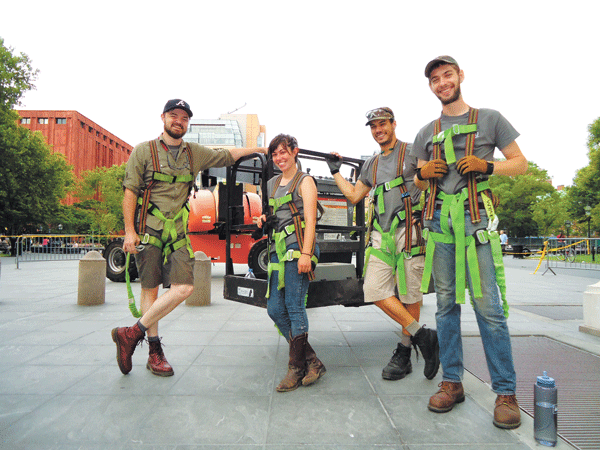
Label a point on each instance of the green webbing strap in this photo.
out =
(276, 203)
(389, 254)
(447, 136)
(379, 190)
(288, 255)
(159, 176)
(132, 307)
(454, 206)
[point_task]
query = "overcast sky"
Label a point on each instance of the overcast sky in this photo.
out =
(313, 68)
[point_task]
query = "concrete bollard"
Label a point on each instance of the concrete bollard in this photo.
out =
(591, 310)
(92, 279)
(202, 281)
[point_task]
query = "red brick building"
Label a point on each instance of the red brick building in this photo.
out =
(85, 144)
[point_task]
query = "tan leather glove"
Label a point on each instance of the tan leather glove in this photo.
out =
(433, 169)
(474, 164)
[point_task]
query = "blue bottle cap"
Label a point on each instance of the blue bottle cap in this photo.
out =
(546, 381)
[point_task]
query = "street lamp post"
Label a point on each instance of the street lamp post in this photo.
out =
(588, 213)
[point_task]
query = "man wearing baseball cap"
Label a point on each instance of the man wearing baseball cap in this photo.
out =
(394, 258)
(456, 158)
(158, 178)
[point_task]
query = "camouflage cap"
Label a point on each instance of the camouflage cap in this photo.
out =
(379, 114)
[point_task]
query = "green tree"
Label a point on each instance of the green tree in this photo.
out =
(100, 192)
(33, 180)
(517, 195)
(16, 77)
(585, 190)
(550, 213)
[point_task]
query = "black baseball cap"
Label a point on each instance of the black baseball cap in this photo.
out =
(178, 103)
(444, 59)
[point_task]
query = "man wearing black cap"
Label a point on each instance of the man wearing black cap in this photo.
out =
(455, 154)
(395, 257)
(158, 178)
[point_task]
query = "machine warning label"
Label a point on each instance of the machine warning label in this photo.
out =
(245, 292)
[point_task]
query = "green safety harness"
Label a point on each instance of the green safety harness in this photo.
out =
(453, 207)
(283, 254)
(388, 252)
(168, 242)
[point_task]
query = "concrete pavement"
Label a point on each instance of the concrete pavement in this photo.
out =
(60, 387)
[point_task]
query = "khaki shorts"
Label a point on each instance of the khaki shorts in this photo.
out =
(380, 282)
(179, 268)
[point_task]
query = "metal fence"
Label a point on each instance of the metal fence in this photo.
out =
(569, 253)
(56, 247)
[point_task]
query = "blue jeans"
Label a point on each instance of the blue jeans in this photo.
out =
(488, 311)
(287, 307)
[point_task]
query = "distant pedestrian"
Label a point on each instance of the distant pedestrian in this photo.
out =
(503, 240)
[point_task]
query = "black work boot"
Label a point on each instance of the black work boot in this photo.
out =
(399, 366)
(427, 341)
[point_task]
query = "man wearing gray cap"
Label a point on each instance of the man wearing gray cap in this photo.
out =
(455, 154)
(394, 259)
(158, 178)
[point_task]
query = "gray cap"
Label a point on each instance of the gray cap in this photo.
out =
(444, 59)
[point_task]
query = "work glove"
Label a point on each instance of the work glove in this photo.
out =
(436, 168)
(474, 164)
(334, 163)
(270, 224)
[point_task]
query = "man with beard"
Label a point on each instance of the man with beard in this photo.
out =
(455, 154)
(158, 179)
(395, 257)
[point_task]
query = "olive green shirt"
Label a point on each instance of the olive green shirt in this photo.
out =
(170, 197)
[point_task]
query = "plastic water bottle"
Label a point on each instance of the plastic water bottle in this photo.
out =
(545, 397)
(250, 274)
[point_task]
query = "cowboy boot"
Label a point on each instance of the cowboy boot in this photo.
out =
(315, 369)
(296, 365)
(157, 363)
(126, 338)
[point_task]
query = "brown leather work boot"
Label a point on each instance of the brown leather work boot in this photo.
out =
(296, 365)
(315, 369)
(507, 414)
(126, 338)
(157, 363)
(448, 395)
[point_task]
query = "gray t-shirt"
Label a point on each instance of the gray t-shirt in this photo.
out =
(493, 130)
(386, 171)
(283, 213)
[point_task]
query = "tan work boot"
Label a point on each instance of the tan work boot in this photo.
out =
(448, 395)
(507, 414)
(296, 365)
(315, 369)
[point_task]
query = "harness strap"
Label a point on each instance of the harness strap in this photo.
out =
(446, 137)
(453, 207)
(288, 255)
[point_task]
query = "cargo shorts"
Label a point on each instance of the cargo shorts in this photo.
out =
(179, 268)
(380, 282)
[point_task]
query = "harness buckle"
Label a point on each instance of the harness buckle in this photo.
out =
(146, 239)
(407, 255)
(440, 136)
(493, 224)
(482, 236)
(386, 186)
(289, 255)
(425, 233)
(455, 129)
